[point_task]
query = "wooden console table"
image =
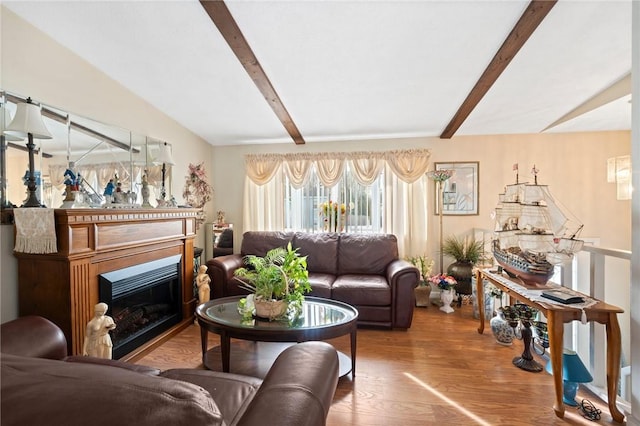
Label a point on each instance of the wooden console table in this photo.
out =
(557, 315)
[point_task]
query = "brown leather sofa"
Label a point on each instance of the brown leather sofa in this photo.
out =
(362, 270)
(39, 387)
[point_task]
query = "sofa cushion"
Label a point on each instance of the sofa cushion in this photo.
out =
(258, 243)
(321, 284)
(226, 239)
(366, 253)
(81, 394)
(321, 250)
(362, 290)
(231, 392)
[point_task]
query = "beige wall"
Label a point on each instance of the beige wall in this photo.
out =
(574, 165)
(34, 65)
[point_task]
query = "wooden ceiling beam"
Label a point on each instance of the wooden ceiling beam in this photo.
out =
(222, 18)
(535, 13)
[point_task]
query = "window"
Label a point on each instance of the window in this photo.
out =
(354, 207)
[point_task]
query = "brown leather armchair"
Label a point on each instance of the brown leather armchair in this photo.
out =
(39, 388)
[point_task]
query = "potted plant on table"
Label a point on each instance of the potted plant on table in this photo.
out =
(423, 290)
(467, 252)
(277, 281)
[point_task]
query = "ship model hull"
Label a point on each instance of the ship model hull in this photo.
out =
(532, 271)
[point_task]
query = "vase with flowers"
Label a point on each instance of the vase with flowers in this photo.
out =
(423, 290)
(446, 284)
(334, 216)
(197, 191)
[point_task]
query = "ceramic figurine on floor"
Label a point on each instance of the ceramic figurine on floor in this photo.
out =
(202, 281)
(97, 342)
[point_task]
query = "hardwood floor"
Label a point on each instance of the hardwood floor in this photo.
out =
(441, 371)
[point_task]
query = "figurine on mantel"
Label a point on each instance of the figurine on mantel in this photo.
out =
(97, 341)
(108, 191)
(145, 191)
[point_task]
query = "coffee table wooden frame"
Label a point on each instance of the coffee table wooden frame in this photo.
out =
(273, 333)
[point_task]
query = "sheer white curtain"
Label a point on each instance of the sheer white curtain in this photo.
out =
(406, 213)
(406, 188)
(264, 204)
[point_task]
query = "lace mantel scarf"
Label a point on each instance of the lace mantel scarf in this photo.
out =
(35, 230)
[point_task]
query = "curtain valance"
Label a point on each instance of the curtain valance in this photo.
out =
(408, 165)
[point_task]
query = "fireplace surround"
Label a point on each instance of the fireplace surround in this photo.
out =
(65, 286)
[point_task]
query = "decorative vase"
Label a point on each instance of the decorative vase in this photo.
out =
(502, 331)
(270, 309)
(146, 193)
(423, 294)
(446, 297)
(462, 272)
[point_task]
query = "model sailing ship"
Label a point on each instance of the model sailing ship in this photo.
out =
(532, 232)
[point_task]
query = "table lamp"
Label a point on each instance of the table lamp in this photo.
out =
(573, 372)
(28, 122)
(164, 158)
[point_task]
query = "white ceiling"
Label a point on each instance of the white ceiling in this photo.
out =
(349, 70)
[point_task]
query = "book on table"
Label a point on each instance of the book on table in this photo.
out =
(562, 296)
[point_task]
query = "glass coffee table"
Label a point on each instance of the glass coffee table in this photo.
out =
(321, 319)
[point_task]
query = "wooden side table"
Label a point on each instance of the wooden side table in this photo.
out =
(557, 315)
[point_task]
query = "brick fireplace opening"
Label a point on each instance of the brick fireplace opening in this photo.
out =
(144, 301)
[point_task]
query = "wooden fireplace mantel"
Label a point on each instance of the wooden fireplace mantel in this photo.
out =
(63, 286)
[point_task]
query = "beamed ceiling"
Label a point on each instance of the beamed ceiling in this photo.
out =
(241, 72)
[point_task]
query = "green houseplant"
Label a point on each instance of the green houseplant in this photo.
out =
(423, 290)
(466, 251)
(277, 281)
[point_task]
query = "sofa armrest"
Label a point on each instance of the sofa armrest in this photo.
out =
(299, 388)
(220, 270)
(403, 277)
(33, 336)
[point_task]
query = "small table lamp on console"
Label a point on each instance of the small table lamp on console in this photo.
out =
(573, 372)
(28, 122)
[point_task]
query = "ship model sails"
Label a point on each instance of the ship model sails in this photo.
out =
(532, 232)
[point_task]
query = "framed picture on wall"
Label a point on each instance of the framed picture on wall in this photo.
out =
(460, 192)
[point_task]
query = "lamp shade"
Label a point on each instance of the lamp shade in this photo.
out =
(7, 120)
(573, 370)
(165, 156)
(28, 119)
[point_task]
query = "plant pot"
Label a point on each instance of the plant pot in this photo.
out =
(446, 297)
(462, 272)
(423, 294)
(270, 309)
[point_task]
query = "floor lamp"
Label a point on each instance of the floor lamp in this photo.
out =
(28, 122)
(164, 158)
(440, 176)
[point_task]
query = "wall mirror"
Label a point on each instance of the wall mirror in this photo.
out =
(95, 151)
